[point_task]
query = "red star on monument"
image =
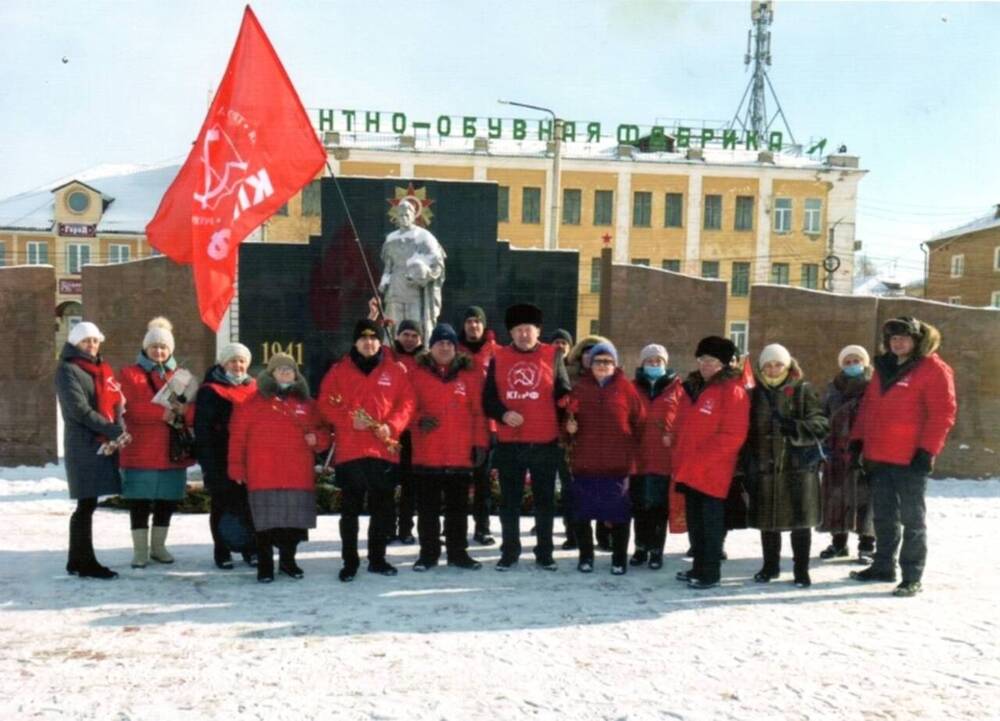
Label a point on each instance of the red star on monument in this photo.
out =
(606, 238)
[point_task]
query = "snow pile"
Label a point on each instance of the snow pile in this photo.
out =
(190, 642)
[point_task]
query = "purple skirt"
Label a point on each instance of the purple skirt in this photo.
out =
(601, 498)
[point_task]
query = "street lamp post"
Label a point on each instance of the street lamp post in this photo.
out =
(552, 224)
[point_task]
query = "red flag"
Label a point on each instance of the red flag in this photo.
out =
(256, 149)
(747, 373)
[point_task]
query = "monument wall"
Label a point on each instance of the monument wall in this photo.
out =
(27, 335)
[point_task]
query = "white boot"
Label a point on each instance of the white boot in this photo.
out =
(157, 550)
(140, 547)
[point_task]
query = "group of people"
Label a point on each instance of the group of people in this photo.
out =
(435, 420)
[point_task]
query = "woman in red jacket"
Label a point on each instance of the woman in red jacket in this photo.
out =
(448, 387)
(151, 481)
(659, 388)
(368, 400)
(273, 439)
(606, 423)
(711, 425)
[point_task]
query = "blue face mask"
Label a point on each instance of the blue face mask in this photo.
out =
(853, 371)
(236, 379)
(654, 372)
(284, 386)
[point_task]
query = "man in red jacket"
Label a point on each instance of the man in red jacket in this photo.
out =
(408, 344)
(524, 382)
(480, 346)
(905, 416)
(368, 400)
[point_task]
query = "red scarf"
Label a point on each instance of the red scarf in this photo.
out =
(107, 389)
(235, 394)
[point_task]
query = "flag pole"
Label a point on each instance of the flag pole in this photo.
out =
(357, 239)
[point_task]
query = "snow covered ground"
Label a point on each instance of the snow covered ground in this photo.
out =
(190, 642)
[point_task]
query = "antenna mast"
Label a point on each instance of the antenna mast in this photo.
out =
(755, 118)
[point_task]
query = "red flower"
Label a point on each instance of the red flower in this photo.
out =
(569, 403)
(788, 391)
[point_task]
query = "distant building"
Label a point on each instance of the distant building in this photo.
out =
(963, 264)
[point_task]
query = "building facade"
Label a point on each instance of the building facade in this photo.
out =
(963, 264)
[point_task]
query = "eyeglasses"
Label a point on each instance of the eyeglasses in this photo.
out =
(602, 362)
(708, 360)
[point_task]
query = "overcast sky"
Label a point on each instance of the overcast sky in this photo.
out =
(911, 88)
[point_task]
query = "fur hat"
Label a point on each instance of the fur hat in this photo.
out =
(857, 350)
(604, 348)
(522, 313)
(233, 350)
(443, 331)
(159, 330)
(364, 327)
(408, 324)
(721, 348)
(474, 311)
(281, 360)
(84, 329)
(775, 352)
(654, 350)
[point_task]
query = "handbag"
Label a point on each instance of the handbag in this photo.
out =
(181, 444)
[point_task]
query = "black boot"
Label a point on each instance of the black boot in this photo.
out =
(801, 543)
(286, 559)
(265, 557)
(82, 561)
(639, 558)
(619, 548)
(770, 543)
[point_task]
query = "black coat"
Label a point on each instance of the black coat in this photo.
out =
(211, 430)
(89, 475)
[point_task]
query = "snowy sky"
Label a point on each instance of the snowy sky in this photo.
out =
(911, 88)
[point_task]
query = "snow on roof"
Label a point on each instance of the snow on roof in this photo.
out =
(134, 192)
(985, 222)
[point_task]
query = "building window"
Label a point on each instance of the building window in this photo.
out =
(118, 253)
(642, 209)
(641, 261)
(814, 209)
(77, 256)
(744, 213)
(595, 327)
(782, 215)
(673, 216)
(38, 252)
(595, 275)
(503, 204)
(738, 335)
(955, 299)
(310, 199)
(78, 201)
(995, 299)
(709, 269)
(571, 206)
(283, 210)
(603, 207)
(996, 258)
(672, 264)
(3, 254)
(154, 251)
(713, 212)
(531, 205)
(810, 276)
(779, 273)
(740, 284)
(957, 266)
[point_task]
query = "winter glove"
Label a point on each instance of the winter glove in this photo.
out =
(922, 462)
(788, 427)
(478, 456)
(427, 423)
(855, 448)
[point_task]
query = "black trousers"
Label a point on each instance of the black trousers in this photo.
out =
(513, 461)
(407, 505)
(900, 518)
(706, 519)
(374, 479)
(619, 533)
(482, 497)
(770, 543)
(453, 488)
(81, 534)
(650, 508)
(140, 508)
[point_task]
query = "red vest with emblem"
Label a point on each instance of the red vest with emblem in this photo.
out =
(525, 383)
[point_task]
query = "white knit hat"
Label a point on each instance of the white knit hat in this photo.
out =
(857, 350)
(160, 330)
(774, 352)
(233, 350)
(82, 330)
(654, 350)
